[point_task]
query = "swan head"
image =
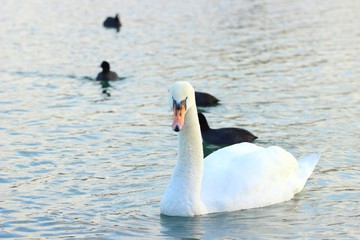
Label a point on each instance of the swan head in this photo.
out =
(181, 98)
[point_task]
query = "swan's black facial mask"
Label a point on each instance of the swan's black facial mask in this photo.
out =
(178, 106)
(179, 114)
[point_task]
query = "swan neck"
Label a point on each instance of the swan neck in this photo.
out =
(186, 180)
(190, 141)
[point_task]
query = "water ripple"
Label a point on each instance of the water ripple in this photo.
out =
(78, 163)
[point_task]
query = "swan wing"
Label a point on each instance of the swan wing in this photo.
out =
(306, 167)
(245, 176)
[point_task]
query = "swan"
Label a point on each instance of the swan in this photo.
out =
(223, 136)
(236, 177)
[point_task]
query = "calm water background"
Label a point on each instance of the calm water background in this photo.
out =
(76, 163)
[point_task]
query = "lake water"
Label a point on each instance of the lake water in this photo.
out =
(77, 163)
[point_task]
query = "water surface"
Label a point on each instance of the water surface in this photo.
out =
(78, 163)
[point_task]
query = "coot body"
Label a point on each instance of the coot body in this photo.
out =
(223, 136)
(106, 74)
(113, 22)
(204, 99)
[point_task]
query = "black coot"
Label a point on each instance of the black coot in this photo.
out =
(223, 136)
(113, 22)
(204, 99)
(106, 74)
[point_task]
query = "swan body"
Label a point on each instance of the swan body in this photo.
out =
(239, 176)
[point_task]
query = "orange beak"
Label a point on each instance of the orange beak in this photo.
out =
(179, 117)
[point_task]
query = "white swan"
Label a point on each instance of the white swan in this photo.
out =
(237, 177)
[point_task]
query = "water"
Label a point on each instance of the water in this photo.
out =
(77, 163)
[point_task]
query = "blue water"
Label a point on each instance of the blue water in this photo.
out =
(77, 163)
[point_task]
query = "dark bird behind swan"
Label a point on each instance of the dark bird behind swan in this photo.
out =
(204, 99)
(223, 136)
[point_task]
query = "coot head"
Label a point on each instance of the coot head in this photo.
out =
(105, 66)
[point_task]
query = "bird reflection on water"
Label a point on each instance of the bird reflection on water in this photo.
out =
(105, 85)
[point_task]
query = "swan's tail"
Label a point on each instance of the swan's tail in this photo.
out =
(307, 165)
